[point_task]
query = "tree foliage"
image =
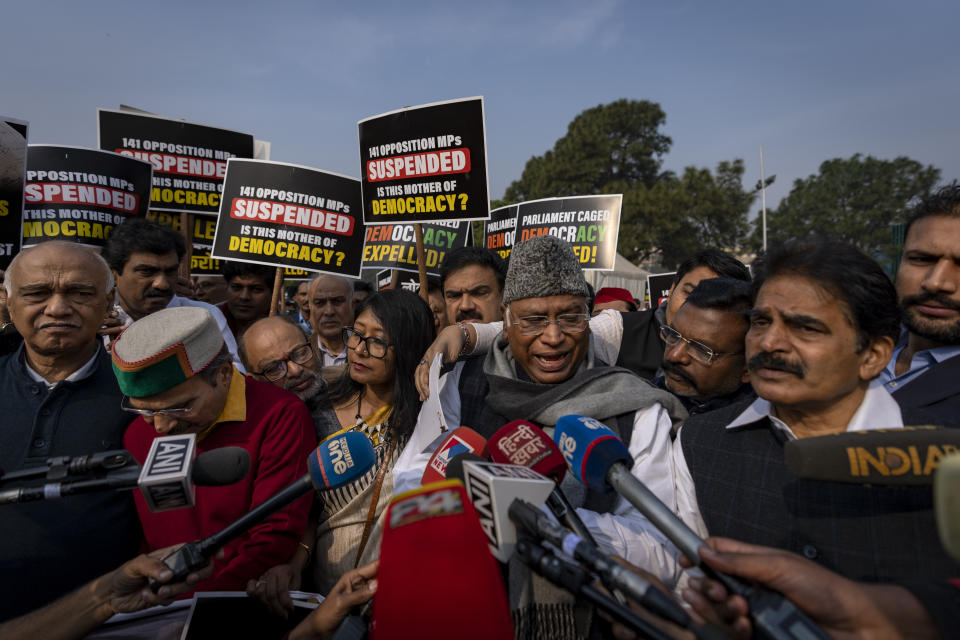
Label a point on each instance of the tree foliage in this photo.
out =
(611, 142)
(856, 200)
(679, 216)
(618, 148)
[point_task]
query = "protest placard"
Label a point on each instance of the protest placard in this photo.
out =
(591, 224)
(425, 164)
(384, 278)
(13, 166)
(286, 215)
(395, 246)
(204, 227)
(189, 160)
(203, 264)
(500, 231)
(658, 287)
(79, 195)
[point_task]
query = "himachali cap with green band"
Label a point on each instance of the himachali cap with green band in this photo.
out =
(164, 349)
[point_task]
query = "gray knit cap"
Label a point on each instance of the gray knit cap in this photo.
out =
(543, 266)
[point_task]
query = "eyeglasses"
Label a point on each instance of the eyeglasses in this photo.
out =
(697, 350)
(566, 322)
(277, 369)
(149, 413)
(375, 346)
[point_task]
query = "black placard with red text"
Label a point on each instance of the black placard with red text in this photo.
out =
(590, 224)
(658, 287)
(290, 216)
(500, 231)
(13, 166)
(79, 195)
(189, 160)
(425, 164)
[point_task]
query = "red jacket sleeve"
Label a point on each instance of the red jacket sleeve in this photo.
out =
(281, 459)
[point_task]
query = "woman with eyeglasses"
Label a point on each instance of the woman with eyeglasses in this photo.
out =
(375, 395)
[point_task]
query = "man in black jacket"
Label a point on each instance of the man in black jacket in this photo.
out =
(704, 363)
(60, 398)
(925, 368)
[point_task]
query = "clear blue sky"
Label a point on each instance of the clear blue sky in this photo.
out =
(807, 80)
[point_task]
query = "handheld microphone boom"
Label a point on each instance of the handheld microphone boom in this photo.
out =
(213, 468)
(491, 488)
(599, 459)
(907, 456)
(63, 466)
(525, 444)
(613, 575)
(460, 440)
(339, 460)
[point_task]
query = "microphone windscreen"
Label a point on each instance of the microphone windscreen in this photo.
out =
(219, 467)
(436, 579)
(341, 459)
(460, 440)
(590, 449)
(525, 444)
(946, 502)
(455, 467)
(906, 456)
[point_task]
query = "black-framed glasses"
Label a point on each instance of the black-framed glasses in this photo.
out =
(375, 346)
(566, 322)
(277, 369)
(697, 350)
(177, 412)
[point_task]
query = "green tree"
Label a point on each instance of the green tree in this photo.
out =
(618, 148)
(856, 200)
(679, 216)
(610, 142)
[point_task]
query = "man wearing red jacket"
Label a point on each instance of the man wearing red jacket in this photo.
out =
(176, 374)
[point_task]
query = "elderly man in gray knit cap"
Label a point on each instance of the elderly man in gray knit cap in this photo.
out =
(543, 367)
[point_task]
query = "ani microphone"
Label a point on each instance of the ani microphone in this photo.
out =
(460, 440)
(492, 487)
(436, 579)
(214, 468)
(599, 459)
(524, 443)
(907, 456)
(338, 461)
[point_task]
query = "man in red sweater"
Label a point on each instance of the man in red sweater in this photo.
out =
(176, 374)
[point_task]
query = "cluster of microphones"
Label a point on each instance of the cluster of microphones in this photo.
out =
(503, 495)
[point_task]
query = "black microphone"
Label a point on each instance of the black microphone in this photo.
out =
(598, 458)
(63, 466)
(213, 468)
(906, 456)
(575, 579)
(614, 576)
